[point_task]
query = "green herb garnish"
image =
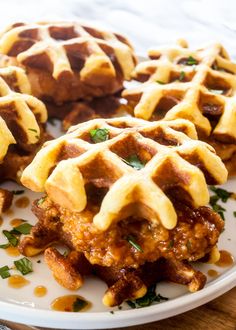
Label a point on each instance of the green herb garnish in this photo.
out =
(5, 246)
(24, 229)
(234, 213)
(18, 192)
(99, 135)
(182, 76)
(191, 61)
(134, 161)
(223, 194)
(133, 242)
(220, 195)
(13, 240)
(160, 82)
(41, 200)
(79, 304)
(24, 265)
(147, 299)
(32, 130)
(4, 272)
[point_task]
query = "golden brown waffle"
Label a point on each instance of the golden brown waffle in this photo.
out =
(197, 85)
(120, 218)
(21, 115)
(171, 159)
(68, 60)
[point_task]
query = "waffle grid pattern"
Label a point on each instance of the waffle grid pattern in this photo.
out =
(200, 86)
(170, 157)
(23, 109)
(58, 41)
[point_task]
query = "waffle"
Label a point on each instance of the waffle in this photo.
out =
(69, 164)
(97, 204)
(21, 116)
(66, 61)
(72, 113)
(123, 284)
(197, 85)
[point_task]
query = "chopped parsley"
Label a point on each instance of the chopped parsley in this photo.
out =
(18, 192)
(24, 265)
(134, 162)
(32, 130)
(79, 304)
(222, 194)
(41, 200)
(133, 242)
(35, 131)
(99, 135)
(5, 246)
(191, 61)
(147, 299)
(160, 82)
(4, 272)
(24, 229)
(182, 76)
(219, 195)
(12, 239)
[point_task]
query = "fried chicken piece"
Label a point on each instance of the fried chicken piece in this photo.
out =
(196, 233)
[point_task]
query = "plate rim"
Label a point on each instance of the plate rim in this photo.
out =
(97, 320)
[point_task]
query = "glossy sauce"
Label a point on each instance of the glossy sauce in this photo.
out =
(12, 251)
(17, 281)
(1, 221)
(65, 303)
(40, 291)
(9, 212)
(16, 222)
(226, 259)
(22, 202)
(212, 273)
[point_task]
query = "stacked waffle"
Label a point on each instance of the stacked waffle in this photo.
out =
(69, 61)
(21, 122)
(196, 85)
(149, 187)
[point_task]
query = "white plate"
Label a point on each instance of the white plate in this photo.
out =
(21, 305)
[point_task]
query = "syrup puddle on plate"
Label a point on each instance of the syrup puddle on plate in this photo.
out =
(17, 281)
(22, 202)
(70, 303)
(40, 291)
(226, 259)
